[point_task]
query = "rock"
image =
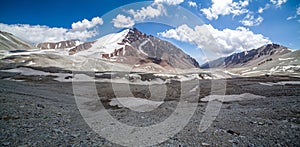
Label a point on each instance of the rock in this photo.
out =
(58, 131)
(233, 132)
(6, 143)
(8, 117)
(205, 144)
(260, 123)
(235, 141)
(75, 135)
(40, 106)
(68, 77)
(31, 129)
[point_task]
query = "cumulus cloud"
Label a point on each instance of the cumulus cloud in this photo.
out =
(149, 12)
(169, 2)
(86, 24)
(81, 30)
(250, 20)
(122, 21)
(225, 7)
(192, 4)
(223, 42)
(278, 3)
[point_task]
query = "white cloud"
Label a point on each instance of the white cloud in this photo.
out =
(86, 24)
(122, 21)
(278, 3)
(225, 7)
(249, 20)
(169, 2)
(149, 12)
(261, 10)
(207, 37)
(291, 17)
(81, 30)
(295, 16)
(192, 4)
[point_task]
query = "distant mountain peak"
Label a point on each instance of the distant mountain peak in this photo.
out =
(9, 42)
(252, 57)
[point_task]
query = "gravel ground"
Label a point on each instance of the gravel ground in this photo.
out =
(39, 111)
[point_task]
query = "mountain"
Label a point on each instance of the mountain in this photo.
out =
(59, 45)
(254, 57)
(128, 50)
(133, 47)
(10, 42)
(286, 64)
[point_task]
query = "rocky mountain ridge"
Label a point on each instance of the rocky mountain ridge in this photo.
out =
(58, 45)
(253, 57)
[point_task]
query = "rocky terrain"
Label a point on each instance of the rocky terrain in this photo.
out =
(58, 45)
(57, 94)
(37, 110)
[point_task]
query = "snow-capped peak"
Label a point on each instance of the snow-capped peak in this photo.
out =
(107, 44)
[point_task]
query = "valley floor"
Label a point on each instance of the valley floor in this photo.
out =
(39, 111)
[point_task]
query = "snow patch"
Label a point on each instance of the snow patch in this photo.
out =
(141, 45)
(251, 72)
(231, 98)
(165, 75)
(5, 37)
(194, 89)
(135, 104)
(281, 83)
(283, 59)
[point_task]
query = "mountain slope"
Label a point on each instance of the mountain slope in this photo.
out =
(58, 45)
(287, 64)
(253, 57)
(10, 42)
(133, 47)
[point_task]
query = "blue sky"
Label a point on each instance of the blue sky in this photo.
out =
(234, 25)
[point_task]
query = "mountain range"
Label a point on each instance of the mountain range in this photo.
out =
(130, 49)
(248, 58)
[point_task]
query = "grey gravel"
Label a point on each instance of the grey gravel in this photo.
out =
(44, 113)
